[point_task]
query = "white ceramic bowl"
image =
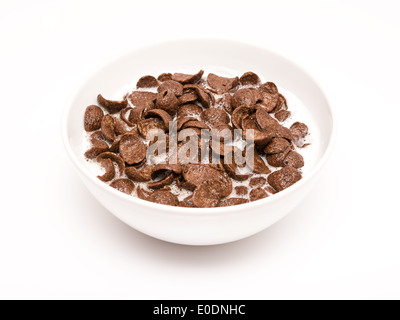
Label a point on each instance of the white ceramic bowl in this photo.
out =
(189, 225)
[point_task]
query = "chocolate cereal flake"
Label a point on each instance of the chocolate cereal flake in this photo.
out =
(282, 115)
(124, 118)
(147, 82)
(181, 121)
(143, 194)
(264, 120)
(195, 124)
(241, 190)
(270, 95)
(224, 130)
(294, 159)
(147, 125)
(187, 202)
(115, 145)
(165, 117)
(132, 149)
(231, 169)
(249, 122)
(110, 105)
(108, 165)
(277, 145)
(142, 99)
(172, 85)
(115, 158)
(205, 97)
(276, 160)
(228, 103)
(187, 78)
(257, 182)
(136, 114)
(95, 137)
(284, 178)
(259, 138)
(278, 131)
(195, 174)
(93, 117)
(164, 77)
(95, 151)
(162, 168)
(108, 127)
(270, 190)
(164, 197)
(244, 98)
(119, 127)
(249, 78)
(161, 183)
(123, 185)
(187, 98)
(299, 130)
(238, 115)
(208, 194)
(221, 84)
(189, 110)
(142, 175)
(257, 194)
(258, 165)
(167, 101)
(213, 116)
(281, 104)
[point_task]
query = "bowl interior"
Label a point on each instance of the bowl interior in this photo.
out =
(189, 56)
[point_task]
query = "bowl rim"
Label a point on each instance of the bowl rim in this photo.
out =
(194, 212)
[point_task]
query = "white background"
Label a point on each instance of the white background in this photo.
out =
(342, 242)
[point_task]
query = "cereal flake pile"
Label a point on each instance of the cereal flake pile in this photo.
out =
(118, 132)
